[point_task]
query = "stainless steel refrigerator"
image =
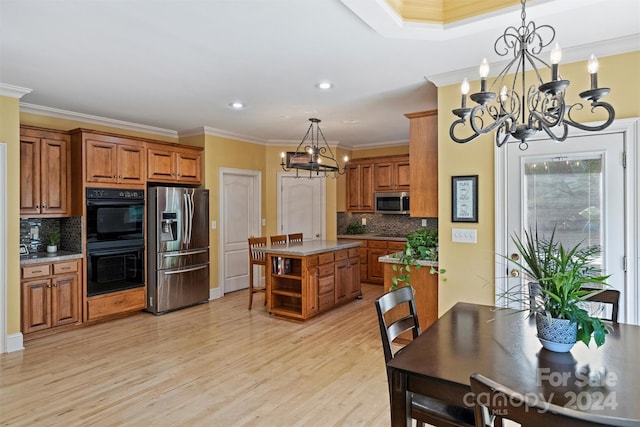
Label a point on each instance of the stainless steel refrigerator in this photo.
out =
(178, 248)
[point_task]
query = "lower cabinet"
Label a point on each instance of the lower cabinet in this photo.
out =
(50, 295)
(300, 287)
(116, 303)
(372, 270)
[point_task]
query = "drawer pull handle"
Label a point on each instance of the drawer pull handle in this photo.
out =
(118, 302)
(65, 268)
(37, 271)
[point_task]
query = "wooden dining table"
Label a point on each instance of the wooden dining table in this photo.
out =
(501, 344)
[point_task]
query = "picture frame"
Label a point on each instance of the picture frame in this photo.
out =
(464, 198)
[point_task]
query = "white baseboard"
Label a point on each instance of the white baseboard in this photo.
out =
(214, 293)
(15, 342)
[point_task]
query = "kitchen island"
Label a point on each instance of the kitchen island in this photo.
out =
(309, 278)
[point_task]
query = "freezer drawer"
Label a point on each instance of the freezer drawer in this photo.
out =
(171, 260)
(179, 288)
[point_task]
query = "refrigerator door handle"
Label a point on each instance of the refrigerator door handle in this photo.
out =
(184, 253)
(186, 270)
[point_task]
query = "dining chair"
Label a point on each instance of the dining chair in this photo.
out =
(256, 258)
(423, 409)
(608, 296)
(295, 238)
(503, 403)
(280, 239)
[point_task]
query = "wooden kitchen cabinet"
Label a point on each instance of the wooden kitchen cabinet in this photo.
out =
(173, 164)
(360, 187)
(106, 159)
(44, 173)
(392, 174)
(423, 151)
(50, 295)
(116, 303)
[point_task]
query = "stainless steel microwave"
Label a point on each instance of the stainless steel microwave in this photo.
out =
(392, 203)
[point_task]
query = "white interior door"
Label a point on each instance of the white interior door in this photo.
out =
(239, 219)
(302, 206)
(576, 188)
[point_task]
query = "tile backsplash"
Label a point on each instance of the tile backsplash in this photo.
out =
(384, 224)
(34, 232)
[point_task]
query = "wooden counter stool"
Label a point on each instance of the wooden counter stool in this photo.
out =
(256, 258)
(280, 239)
(295, 238)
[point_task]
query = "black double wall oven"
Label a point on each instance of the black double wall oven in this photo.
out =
(115, 240)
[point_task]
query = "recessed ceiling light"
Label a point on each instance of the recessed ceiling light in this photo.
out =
(324, 85)
(351, 122)
(237, 105)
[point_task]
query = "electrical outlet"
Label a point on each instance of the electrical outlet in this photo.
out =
(213, 225)
(424, 222)
(364, 221)
(464, 235)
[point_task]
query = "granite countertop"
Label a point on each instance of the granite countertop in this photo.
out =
(390, 259)
(309, 247)
(40, 257)
(372, 236)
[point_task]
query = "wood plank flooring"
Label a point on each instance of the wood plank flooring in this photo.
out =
(215, 364)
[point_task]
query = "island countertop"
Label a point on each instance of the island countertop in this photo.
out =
(308, 247)
(395, 259)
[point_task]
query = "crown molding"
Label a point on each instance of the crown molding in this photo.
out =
(96, 120)
(13, 91)
(570, 54)
(209, 131)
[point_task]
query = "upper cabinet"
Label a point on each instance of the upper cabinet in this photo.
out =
(360, 186)
(113, 160)
(44, 172)
(423, 152)
(392, 174)
(173, 164)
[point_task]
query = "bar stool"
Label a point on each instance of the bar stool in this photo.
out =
(280, 239)
(295, 238)
(256, 258)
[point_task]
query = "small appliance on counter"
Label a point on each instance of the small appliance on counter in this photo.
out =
(24, 250)
(178, 248)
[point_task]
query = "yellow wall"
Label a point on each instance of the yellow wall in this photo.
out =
(470, 268)
(10, 134)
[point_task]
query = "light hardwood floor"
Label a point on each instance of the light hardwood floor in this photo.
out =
(215, 364)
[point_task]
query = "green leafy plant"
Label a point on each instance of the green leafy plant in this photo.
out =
(421, 245)
(355, 228)
(54, 238)
(561, 275)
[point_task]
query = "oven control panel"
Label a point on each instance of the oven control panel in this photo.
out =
(114, 193)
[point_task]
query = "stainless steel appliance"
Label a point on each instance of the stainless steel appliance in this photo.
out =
(178, 250)
(392, 203)
(115, 240)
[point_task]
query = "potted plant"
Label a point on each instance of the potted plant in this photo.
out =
(559, 277)
(421, 245)
(54, 238)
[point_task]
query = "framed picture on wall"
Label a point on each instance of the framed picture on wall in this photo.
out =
(464, 198)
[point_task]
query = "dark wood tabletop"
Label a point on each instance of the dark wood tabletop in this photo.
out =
(502, 345)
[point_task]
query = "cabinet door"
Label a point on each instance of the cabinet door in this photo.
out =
(366, 190)
(311, 298)
(384, 176)
(375, 269)
(353, 187)
(423, 151)
(189, 166)
(64, 300)
(29, 176)
(342, 279)
(160, 165)
(36, 304)
(54, 193)
(353, 290)
(131, 163)
(101, 161)
(402, 175)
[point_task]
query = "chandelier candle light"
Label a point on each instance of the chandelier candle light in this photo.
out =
(541, 107)
(313, 158)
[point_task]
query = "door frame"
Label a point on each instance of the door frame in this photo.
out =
(3, 247)
(630, 129)
(323, 203)
(257, 228)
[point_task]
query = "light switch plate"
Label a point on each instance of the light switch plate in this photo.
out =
(464, 235)
(424, 222)
(364, 221)
(213, 225)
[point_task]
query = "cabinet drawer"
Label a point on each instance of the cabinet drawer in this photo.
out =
(354, 252)
(325, 258)
(65, 267)
(396, 246)
(378, 244)
(326, 301)
(106, 305)
(312, 261)
(40, 270)
(325, 270)
(342, 254)
(325, 285)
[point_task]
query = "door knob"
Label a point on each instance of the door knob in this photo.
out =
(515, 257)
(515, 273)
(318, 235)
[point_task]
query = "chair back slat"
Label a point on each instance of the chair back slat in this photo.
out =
(257, 257)
(280, 239)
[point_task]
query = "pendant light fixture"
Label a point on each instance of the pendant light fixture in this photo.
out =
(539, 106)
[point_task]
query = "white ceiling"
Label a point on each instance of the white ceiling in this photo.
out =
(176, 65)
